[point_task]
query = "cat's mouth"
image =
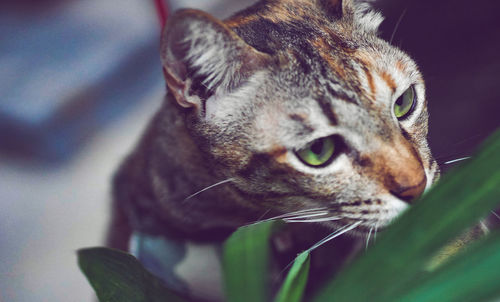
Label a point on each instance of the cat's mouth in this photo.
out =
(368, 217)
(362, 227)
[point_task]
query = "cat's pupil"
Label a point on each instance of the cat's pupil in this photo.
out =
(399, 101)
(317, 147)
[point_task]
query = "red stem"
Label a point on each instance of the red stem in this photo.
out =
(162, 11)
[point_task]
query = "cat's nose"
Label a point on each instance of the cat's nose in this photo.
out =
(399, 169)
(406, 177)
(409, 192)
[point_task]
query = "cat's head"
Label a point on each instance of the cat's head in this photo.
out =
(303, 106)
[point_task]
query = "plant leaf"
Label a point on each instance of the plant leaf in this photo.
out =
(292, 289)
(472, 276)
(459, 200)
(119, 277)
(246, 262)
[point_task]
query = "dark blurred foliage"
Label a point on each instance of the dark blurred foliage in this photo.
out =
(457, 46)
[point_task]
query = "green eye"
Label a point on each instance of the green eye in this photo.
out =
(318, 153)
(405, 103)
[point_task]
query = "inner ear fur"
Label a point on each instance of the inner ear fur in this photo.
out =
(201, 55)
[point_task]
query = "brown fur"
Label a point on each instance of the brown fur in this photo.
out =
(389, 81)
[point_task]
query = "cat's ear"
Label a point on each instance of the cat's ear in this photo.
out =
(333, 8)
(358, 11)
(201, 55)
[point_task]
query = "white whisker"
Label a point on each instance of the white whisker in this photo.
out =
(208, 188)
(306, 210)
(496, 215)
(456, 160)
(262, 216)
(302, 212)
(289, 216)
(368, 238)
(322, 213)
(319, 243)
(484, 227)
(315, 246)
(335, 234)
(297, 219)
(293, 214)
(397, 25)
(375, 234)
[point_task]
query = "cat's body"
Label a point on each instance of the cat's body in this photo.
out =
(248, 96)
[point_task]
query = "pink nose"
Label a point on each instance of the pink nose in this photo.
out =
(399, 169)
(408, 191)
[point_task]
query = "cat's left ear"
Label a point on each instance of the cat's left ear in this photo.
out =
(358, 11)
(201, 55)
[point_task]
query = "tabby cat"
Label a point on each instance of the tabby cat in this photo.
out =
(291, 107)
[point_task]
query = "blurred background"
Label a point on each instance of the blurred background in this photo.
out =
(79, 80)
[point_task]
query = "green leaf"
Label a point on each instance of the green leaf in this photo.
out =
(472, 276)
(119, 277)
(292, 289)
(246, 263)
(459, 200)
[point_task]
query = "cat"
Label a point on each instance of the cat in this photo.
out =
(291, 107)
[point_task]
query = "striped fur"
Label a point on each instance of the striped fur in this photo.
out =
(246, 93)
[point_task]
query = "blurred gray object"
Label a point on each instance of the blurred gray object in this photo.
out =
(65, 72)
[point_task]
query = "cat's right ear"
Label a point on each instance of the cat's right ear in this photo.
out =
(201, 56)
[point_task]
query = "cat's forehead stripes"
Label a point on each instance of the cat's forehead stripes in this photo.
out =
(303, 120)
(305, 30)
(327, 110)
(325, 51)
(276, 12)
(367, 64)
(389, 80)
(371, 61)
(274, 26)
(371, 82)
